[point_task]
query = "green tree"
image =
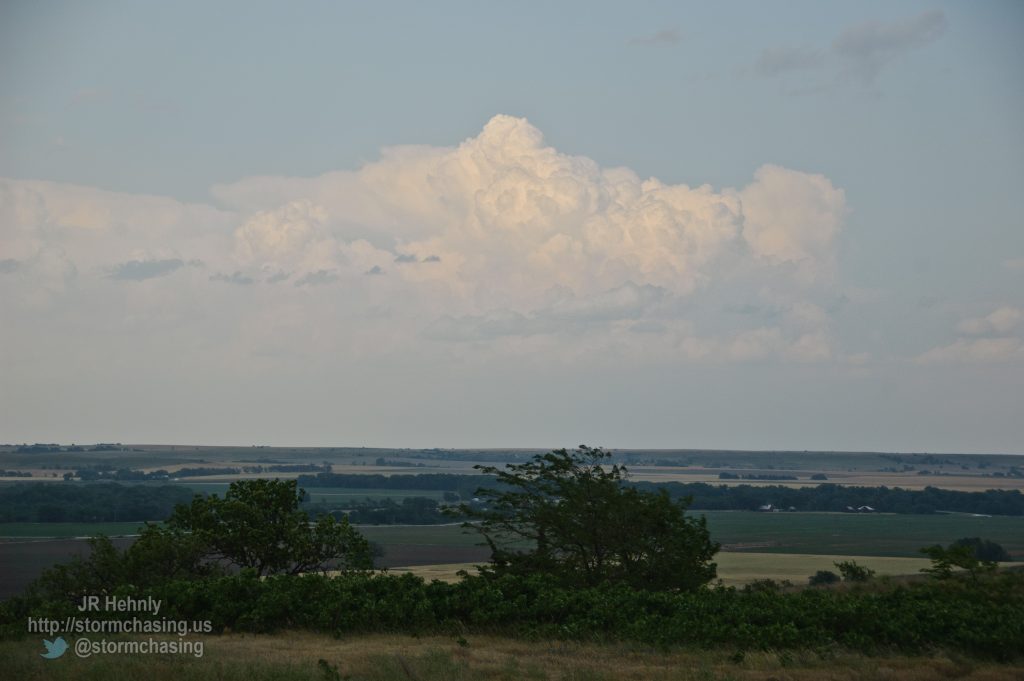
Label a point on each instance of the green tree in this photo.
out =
(946, 560)
(258, 524)
(854, 572)
(984, 549)
(569, 516)
(823, 578)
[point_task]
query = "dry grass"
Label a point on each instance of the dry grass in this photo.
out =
(736, 569)
(909, 480)
(386, 658)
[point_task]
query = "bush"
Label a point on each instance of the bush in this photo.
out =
(852, 572)
(984, 549)
(823, 578)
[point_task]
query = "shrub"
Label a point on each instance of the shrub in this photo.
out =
(852, 572)
(823, 578)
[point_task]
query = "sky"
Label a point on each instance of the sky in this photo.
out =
(737, 225)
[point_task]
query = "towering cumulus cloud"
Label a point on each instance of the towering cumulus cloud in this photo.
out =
(499, 236)
(517, 216)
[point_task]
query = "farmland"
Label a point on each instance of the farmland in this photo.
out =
(967, 472)
(15, 531)
(802, 533)
(789, 536)
(736, 569)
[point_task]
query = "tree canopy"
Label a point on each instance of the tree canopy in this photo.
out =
(567, 514)
(258, 524)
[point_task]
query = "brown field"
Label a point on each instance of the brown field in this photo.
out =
(305, 656)
(737, 569)
(966, 472)
(963, 483)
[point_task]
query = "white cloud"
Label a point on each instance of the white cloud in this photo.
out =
(792, 216)
(976, 350)
(499, 236)
(1001, 320)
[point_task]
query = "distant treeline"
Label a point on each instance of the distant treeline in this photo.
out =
(827, 497)
(408, 511)
(754, 476)
(104, 502)
(463, 485)
(95, 473)
(108, 501)
(830, 497)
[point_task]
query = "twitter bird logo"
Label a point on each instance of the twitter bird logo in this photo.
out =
(54, 648)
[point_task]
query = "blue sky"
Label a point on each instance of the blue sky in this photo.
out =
(851, 278)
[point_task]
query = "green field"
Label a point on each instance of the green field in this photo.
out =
(65, 530)
(801, 533)
(859, 535)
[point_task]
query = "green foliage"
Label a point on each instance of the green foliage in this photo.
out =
(962, 556)
(984, 549)
(980, 618)
(101, 572)
(853, 572)
(823, 578)
(102, 502)
(568, 516)
(258, 524)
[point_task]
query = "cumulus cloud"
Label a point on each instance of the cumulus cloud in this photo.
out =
(504, 216)
(1001, 320)
(521, 240)
(792, 216)
(293, 233)
(976, 350)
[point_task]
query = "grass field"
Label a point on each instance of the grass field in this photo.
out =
(65, 530)
(309, 657)
(809, 533)
(858, 534)
(737, 569)
(804, 533)
(963, 483)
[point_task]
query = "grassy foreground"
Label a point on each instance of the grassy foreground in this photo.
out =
(295, 655)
